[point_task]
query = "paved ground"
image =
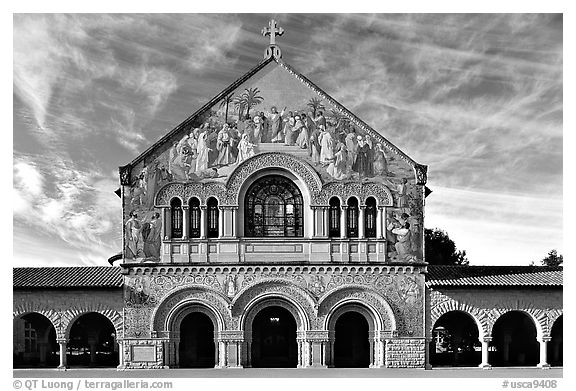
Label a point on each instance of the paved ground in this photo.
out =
(295, 373)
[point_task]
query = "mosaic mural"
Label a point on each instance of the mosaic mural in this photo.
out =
(274, 111)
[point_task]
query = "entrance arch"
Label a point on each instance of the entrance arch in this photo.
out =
(34, 342)
(455, 341)
(92, 342)
(274, 339)
(197, 347)
(351, 342)
(514, 340)
(555, 350)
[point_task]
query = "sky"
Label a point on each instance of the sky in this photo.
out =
(477, 98)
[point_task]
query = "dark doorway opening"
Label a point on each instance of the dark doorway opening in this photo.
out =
(274, 339)
(34, 342)
(351, 345)
(455, 341)
(93, 342)
(197, 349)
(555, 351)
(514, 341)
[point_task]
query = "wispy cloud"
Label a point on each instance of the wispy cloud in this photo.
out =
(476, 97)
(75, 207)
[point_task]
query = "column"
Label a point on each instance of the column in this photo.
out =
(234, 216)
(343, 222)
(428, 342)
(220, 221)
(379, 224)
(203, 221)
(166, 223)
(361, 222)
(485, 345)
(314, 221)
(544, 353)
(185, 218)
(120, 354)
(63, 362)
(326, 223)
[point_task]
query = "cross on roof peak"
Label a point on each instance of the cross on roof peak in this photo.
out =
(272, 30)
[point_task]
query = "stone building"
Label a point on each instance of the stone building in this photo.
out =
(274, 228)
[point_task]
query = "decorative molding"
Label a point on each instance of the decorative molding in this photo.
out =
(271, 160)
(185, 191)
(362, 191)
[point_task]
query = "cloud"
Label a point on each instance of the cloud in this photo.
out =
(496, 228)
(467, 94)
(65, 66)
(78, 209)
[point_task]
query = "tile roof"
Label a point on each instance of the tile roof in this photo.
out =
(67, 277)
(494, 276)
(111, 277)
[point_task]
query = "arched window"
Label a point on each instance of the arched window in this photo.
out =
(194, 229)
(273, 207)
(212, 211)
(334, 218)
(352, 218)
(176, 223)
(370, 218)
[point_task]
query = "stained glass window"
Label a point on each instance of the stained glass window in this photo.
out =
(273, 207)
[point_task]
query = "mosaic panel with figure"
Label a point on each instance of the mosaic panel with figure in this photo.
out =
(272, 112)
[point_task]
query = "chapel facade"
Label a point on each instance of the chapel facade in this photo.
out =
(271, 228)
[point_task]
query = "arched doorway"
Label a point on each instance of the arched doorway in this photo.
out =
(514, 341)
(351, 344)
(274, 339)
(197, 348)
(92, 342)
(555, 349)
(34, 342)
(455, 341)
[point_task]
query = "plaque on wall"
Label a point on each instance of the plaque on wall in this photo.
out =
(144, 353)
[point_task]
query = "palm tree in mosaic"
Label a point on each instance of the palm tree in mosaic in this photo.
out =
(252, 98)
(316, 104)
(240, 105)
(338, 118)
(224, 103)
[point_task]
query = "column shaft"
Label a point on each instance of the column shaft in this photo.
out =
(203, 222)
(361, 222)
(185, 212)
(343, 223)
(220, 222)
(544, 354)
(326, 223)
(379, 224)
(485, 353)
(63, 361)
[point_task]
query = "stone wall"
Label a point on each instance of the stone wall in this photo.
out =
(155, 296)
(405, 353)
